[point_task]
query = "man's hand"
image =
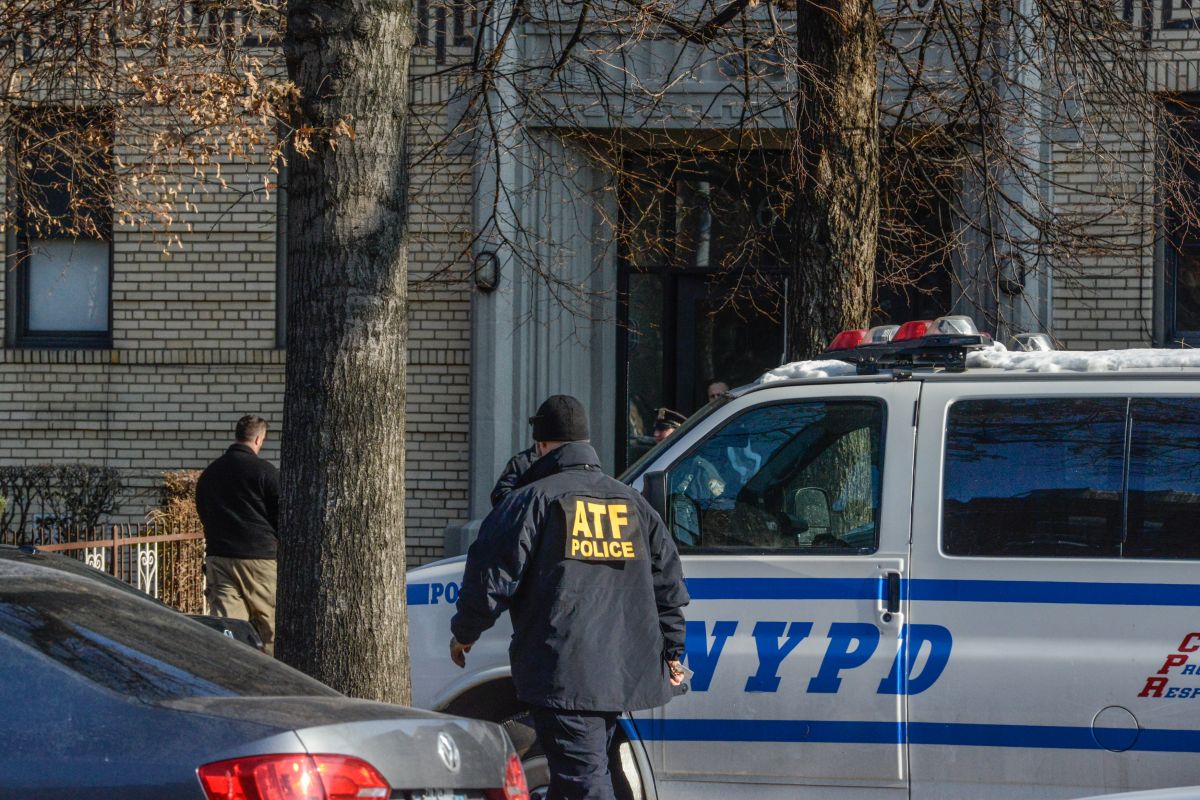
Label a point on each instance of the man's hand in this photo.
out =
(458, 652)
(677, 673)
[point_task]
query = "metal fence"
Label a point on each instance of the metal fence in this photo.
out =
(164, 561)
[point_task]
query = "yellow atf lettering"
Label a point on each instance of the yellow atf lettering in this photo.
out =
(581, 524)
(597, 510)
(601, 530)
(617, 518)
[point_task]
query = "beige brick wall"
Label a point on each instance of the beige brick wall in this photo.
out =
(439, 337)
(1104, 294)
(1108, 299)
(194, 344)
(143, 411)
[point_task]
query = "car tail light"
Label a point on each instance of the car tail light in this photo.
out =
(514, 782)
(292, 777)
(847, 340)
(913, 329)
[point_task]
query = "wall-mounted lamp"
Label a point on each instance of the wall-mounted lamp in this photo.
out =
(487, 271)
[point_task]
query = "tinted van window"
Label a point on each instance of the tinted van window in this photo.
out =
(1164, 478)
(1034, 477)
(786, 476)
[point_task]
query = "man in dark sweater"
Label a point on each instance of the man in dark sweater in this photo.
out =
(237, 497)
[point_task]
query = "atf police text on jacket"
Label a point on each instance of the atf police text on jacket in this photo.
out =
(581, 562)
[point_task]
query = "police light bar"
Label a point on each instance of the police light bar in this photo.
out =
(847, 340)
(941, 342)
(858, 337)
(913, 329)
(882, 334)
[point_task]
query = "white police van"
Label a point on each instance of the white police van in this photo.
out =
(934, 569)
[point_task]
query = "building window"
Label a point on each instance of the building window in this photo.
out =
(60, 250)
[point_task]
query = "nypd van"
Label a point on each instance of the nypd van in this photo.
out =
(928, 567)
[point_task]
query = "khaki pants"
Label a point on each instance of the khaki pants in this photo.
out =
(243, 588)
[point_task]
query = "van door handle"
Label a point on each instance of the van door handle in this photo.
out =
(893, 593)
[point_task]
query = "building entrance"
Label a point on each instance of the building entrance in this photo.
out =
(703, 282)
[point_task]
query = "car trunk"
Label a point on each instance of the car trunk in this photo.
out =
(403, 744)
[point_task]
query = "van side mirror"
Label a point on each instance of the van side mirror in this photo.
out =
(654, 489)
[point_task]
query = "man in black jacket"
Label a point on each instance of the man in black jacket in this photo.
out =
(512, 473)
(237, 497)
(593, 583)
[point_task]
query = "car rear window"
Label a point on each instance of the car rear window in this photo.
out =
(133, 645)
(1106, 477)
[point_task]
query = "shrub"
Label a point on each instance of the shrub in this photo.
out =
(181, 568)
(58, 495)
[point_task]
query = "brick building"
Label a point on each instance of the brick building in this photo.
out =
(145, 362)
(143, 353)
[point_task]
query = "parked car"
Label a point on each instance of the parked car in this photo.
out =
(239, 630)
(109, 694)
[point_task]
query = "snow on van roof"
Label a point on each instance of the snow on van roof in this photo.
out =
(807, 370)
(1000, 358)
(997, 357)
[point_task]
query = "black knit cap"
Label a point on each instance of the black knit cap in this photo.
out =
(561, 418)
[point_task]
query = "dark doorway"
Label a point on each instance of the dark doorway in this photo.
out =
(913, 274)
(703, 280)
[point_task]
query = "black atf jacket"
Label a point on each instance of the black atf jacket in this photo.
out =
(513, 470)
(237, 498)
(593, 583)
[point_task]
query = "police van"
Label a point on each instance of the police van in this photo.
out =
(928, 567)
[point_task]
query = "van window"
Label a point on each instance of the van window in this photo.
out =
(1050, 477)
(1164, 478)
(802, 476)
(1034, 477)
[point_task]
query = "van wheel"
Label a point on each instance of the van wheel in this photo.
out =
(622, 764)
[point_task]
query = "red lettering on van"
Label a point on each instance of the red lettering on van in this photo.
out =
(1173, 660)
(1190, 644)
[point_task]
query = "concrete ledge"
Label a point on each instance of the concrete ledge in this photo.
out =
(457, 538)
(155, 357)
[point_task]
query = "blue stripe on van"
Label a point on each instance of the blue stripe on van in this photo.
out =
(925, 589)
(1102, 594)
(961, 591)
(784, 588)
(1042, 737)
(418, 594)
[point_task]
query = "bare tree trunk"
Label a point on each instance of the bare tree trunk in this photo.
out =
(341, 583)
(838, 185)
